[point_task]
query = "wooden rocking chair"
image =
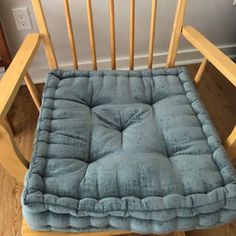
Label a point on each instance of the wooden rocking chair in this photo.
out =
(11, 158)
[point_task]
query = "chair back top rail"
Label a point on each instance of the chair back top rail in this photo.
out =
(48, 46)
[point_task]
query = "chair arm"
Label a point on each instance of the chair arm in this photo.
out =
(230, 144)
(211, 53)
(10, 157)
(223, 63)
(12, 79)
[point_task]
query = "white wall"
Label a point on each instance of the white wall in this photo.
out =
(214, 18)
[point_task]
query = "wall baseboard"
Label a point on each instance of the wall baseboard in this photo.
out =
(184, 57)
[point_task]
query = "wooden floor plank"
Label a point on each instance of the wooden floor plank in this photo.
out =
(217, 94)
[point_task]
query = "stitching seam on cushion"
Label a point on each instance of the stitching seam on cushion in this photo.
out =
(154, 115)
(166, 195)
(207, 136)
(90, 137)
(50, 75)
(161, 132)
(49, 133)
(87, 217)
(161, 209)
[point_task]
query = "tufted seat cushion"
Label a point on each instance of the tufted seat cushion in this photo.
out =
(127, 150)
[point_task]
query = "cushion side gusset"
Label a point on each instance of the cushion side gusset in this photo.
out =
(219, 155)
(51, 82)
(64, 74)
(182, 74)
(172, 201)
(129, 222)
(174, 206)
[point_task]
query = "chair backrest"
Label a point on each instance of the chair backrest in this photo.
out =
(52, 61)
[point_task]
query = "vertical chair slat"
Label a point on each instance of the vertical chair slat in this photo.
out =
(131, 41)
(152, 33)
(176, 33)
(33, 91)
(198, 76)
(91, 34)
(11, 157)
(230, 144)
(112, 34)
(71, 34)
(43, 29)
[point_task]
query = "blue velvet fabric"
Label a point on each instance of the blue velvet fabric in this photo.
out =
(127, 150)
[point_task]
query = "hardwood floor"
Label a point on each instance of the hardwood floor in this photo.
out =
(217, 94)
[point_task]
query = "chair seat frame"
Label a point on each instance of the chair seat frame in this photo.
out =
(10, 156)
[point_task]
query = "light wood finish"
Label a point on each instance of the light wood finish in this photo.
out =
(71, 34)
(223, 63)
(10, 214)
(91, 34)
(10, 156)
(33, 91)
(198, 76)
(131, 34)
(152, 33)
(112, 34)
(4, 50)
(23, 114)
(43, 29)
(13, 77)
(230, 144)
(176, 33)
(5, 61)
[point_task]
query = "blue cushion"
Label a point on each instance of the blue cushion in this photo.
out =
(127, 150)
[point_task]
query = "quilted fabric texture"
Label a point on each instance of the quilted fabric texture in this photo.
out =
(127, 150)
